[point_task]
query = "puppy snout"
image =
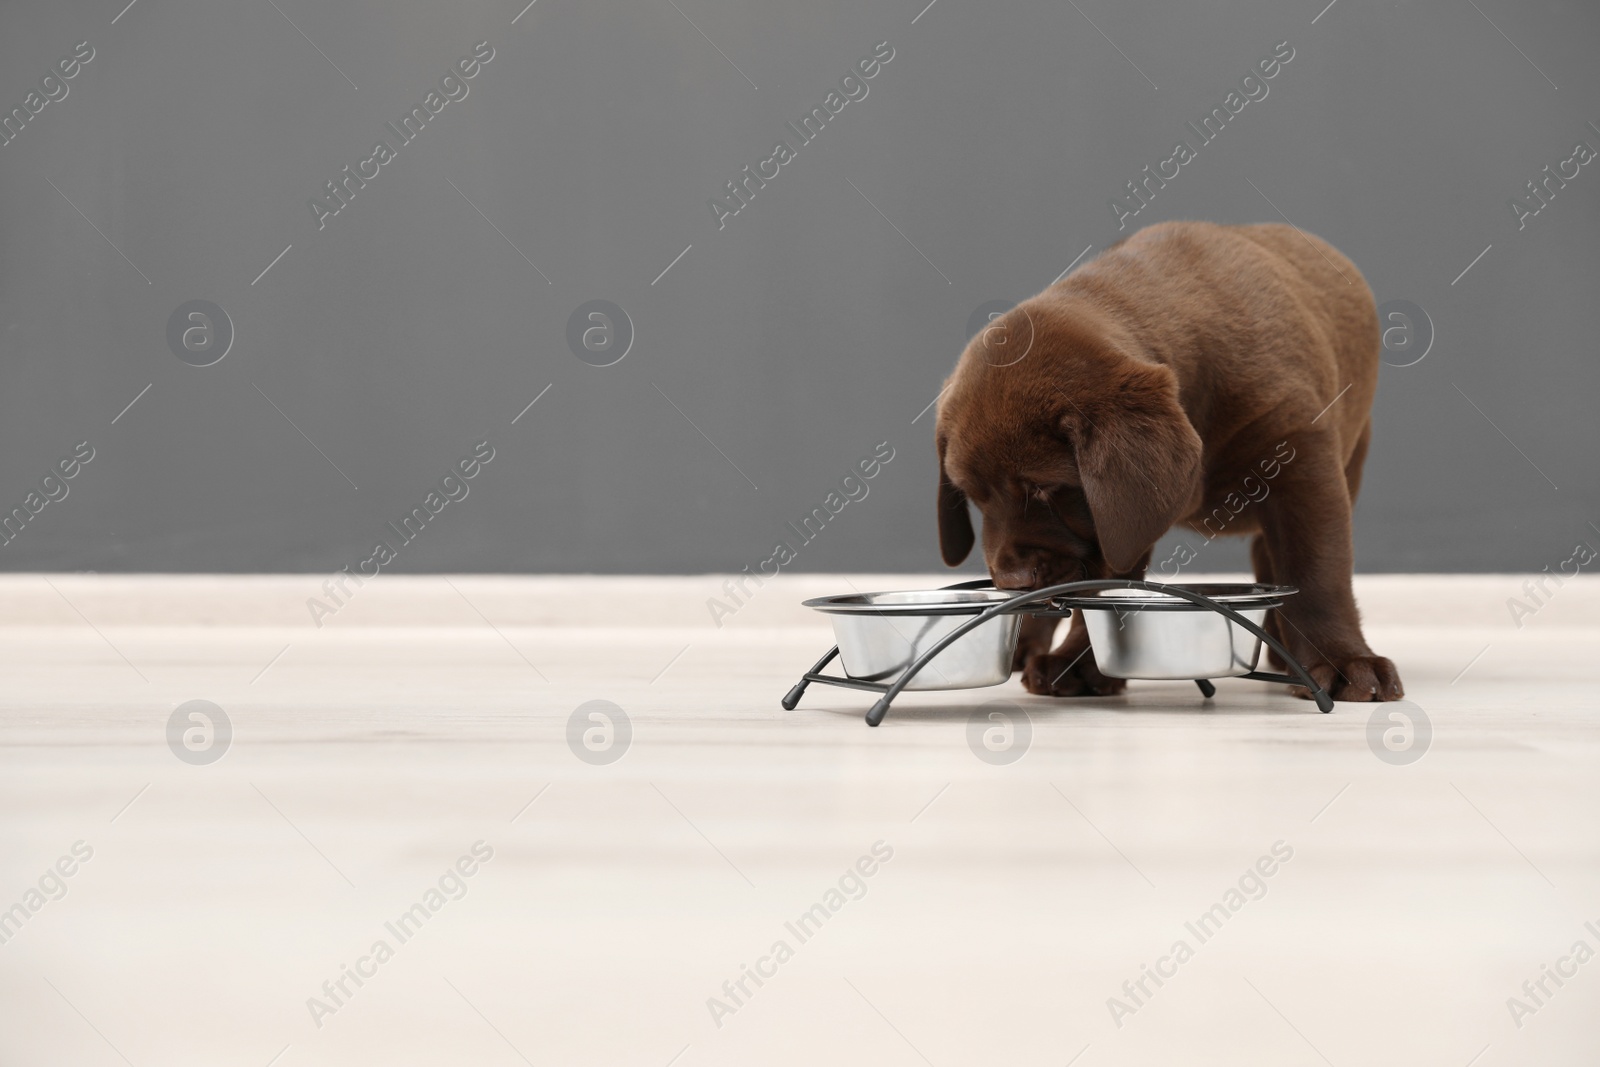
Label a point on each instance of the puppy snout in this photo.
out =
(1029, 572)
(1015, 576)
(1015, 570)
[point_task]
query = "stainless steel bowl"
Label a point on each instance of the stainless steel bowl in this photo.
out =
(1137, 633)
(881, 634)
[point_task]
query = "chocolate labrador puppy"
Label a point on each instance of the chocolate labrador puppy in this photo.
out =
(1215, 376)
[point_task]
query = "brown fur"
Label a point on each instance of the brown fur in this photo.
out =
(1141, 392)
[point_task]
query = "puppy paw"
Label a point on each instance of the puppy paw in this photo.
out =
(1061, 675)
(1360, 678)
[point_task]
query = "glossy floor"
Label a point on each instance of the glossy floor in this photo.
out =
(410, 794)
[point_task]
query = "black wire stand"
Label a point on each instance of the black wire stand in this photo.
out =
(1017, 604)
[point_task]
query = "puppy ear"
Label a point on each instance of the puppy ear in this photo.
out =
(955, 524)
(1139, 458)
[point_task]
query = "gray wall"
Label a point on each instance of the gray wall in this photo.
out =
(780, 349)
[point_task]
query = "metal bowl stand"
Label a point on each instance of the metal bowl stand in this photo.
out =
(890, 690)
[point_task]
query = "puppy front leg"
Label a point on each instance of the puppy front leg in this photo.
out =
(1033, 639)
(1070, 670)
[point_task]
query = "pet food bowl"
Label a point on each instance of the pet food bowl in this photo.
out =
(881, 634)
(1144, 633)
(965, 636)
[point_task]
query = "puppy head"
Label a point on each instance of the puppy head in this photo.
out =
(1078, 458)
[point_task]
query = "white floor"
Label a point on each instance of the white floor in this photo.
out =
(426, 716)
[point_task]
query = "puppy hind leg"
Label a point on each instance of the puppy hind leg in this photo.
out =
(1358, 459)
(1306, 525)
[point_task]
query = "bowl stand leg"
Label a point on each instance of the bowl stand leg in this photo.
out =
(792, 698)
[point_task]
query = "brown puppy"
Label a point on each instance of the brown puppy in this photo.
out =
(1217, 376)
